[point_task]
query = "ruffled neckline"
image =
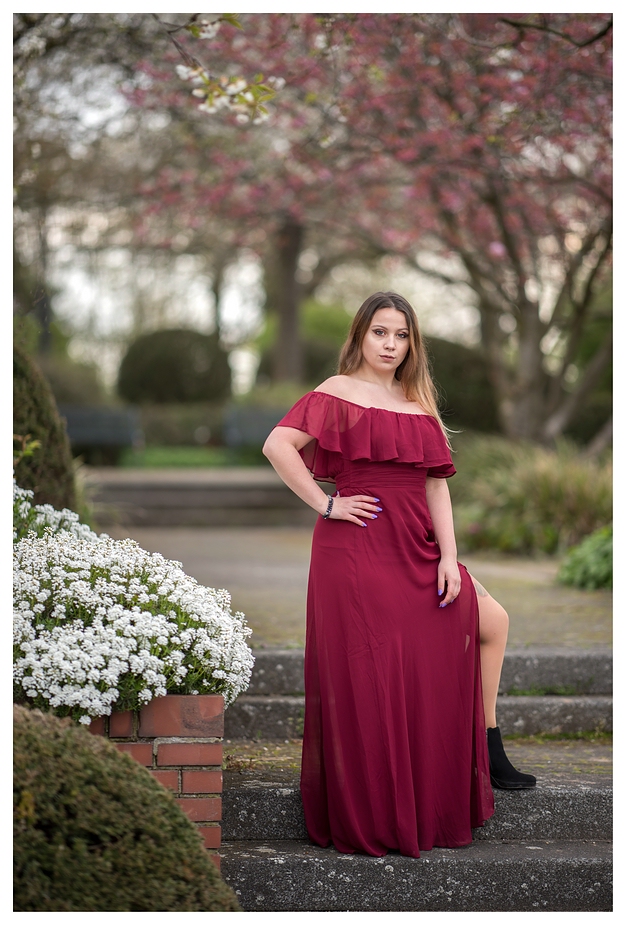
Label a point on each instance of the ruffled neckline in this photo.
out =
(342, 429)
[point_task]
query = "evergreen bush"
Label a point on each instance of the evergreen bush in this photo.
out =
(94, 832)
(590, 564)
(48, 472)
(174, 366)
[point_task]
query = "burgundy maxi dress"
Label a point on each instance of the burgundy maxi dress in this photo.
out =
(394, 754)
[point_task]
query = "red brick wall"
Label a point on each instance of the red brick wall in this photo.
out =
(179, 739)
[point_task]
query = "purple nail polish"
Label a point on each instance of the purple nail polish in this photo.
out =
(374, 516)
(443, 605)
(440, 592)
(379, 508)
(376, 499)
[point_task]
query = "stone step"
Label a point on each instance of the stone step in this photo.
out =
(195, 497)
(266, 805)
(533, 875)
(562, 670)
(282, 717)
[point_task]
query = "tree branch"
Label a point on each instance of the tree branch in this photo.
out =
(563, 35)
(576, 326)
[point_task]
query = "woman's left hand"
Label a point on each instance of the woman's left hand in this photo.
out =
(448, 573)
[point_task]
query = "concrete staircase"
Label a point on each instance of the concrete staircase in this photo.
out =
(547, 849)
(216, 497)
(577, 685)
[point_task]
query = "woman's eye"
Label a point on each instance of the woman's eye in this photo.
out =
(403, 335)
(379, 332)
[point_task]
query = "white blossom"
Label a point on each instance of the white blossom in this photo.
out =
(209, 29)
(276, 82)
(184, 72)
(236, 86)
(39, 517)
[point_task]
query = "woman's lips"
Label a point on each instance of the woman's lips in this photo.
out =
(386, 356)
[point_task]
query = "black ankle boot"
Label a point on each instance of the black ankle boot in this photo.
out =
(503, 775)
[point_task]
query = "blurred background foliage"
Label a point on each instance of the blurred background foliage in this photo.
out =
(188, 267)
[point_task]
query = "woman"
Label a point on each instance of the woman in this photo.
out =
(394, 755)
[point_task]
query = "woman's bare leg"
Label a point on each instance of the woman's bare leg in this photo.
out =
(494, 627)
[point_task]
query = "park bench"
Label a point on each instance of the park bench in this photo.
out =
(99, 434)
(249, 426)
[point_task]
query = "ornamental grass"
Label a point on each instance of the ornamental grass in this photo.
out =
(525, 499)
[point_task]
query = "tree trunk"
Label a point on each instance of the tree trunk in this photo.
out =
(518, 387)
(287, 354)
(41, 298)
(217, 286)
(528, 392)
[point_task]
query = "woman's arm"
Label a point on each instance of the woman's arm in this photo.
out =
(281, 448)
(440, 507)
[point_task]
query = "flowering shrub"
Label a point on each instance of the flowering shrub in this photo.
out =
(37, 518)
(102, 624)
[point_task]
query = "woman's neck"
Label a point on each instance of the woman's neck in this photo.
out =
(370, 376)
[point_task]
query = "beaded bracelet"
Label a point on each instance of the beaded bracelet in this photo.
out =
(329, 508)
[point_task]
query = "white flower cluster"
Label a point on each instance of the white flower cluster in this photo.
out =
(232, 93)
(36, 518)
(103, 623)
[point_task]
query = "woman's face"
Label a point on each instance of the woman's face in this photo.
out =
(386, 342)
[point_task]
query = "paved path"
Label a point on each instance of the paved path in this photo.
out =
(265, 569)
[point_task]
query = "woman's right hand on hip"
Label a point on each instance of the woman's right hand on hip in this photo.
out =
(354, 508)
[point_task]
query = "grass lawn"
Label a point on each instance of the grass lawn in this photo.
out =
(166, 457)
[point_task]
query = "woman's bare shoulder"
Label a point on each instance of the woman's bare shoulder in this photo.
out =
(339, 386)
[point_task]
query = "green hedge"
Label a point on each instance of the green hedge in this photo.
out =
(175, 365)
(182, 424)
(94, 832)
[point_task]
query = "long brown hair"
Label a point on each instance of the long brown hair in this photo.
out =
(414, 371)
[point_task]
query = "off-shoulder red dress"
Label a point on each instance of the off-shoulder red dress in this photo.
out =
(394, 754)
